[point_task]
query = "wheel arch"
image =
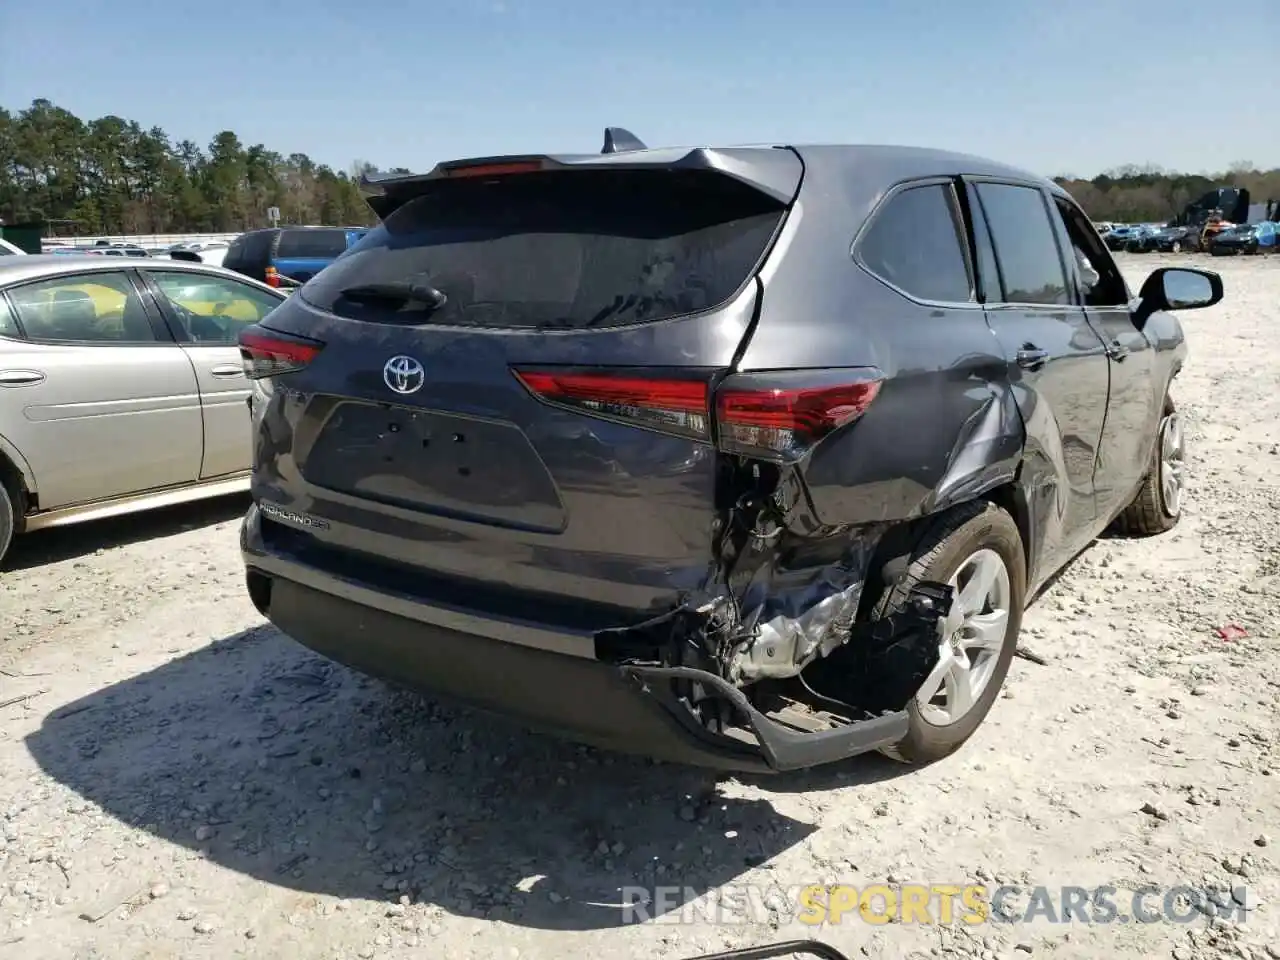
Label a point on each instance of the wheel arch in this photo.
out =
(899, 543)
(17, 477)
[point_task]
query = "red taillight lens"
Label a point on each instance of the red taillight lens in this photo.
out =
(273, 277)
(268, 354)
(671, 405)
(783, 420)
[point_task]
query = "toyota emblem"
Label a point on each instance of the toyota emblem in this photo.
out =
(404, 374)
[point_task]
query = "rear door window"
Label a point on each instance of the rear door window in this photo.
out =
(97, 308)
(916, 243)
(311, 244)
(1025, 244)
(562, 250)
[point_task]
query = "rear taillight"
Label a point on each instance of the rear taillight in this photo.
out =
(676, 405)
(273, 277)
(780, 416)
(265, 353)
(775, 416)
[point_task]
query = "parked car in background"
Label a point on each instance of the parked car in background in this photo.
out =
(1119, 236)
(1160, 239)
(212, 252)
(1244, 239)
(103, 249)
(121, 386)
(1175, 239)
(293, 253)
(1141, 239)
(630, 448)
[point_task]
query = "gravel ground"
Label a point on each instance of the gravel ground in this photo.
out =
(179, 780)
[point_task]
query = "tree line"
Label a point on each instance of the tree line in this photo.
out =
(1148, 194)
(112, 176)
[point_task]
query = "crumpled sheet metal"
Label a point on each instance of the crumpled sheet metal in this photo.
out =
(802, 615)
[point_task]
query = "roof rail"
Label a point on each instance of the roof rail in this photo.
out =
(618, 139)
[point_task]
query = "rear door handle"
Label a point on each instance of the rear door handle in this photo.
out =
(227, 371)
(20, 378)
(1032, 357)
(1116, 350)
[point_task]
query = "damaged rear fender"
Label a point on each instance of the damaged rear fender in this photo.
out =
(787, 582)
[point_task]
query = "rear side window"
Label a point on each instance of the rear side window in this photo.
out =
(1025, 245)
(311, 244)
(571, 250)
(916, 243)
(98, 307)
(8, 325)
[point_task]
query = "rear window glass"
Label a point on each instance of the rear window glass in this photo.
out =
(572, 250)
(250, 248)
(311, 243)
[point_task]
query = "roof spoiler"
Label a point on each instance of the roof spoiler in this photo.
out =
(774, 171)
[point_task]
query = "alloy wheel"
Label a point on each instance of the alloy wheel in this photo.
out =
(973, 635)
(1172, 464)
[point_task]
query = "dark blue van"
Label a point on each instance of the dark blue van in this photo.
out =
(296, 253)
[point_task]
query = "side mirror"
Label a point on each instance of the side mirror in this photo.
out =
(1178, 288)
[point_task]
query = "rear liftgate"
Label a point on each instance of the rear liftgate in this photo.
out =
(765, 659)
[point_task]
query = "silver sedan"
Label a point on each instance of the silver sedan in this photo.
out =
(121, 386)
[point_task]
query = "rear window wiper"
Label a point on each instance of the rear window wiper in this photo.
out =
(422, 296)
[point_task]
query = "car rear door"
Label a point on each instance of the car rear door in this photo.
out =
(1054, 355)
(206, 313)
(541, 432)
(98, 398)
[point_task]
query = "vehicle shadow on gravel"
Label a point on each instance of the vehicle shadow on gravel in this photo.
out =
(80, 539)
(285, 767)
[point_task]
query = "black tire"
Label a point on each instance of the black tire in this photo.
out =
(8, 521)
(957, 536)
(1175, 247)
(1150, 513)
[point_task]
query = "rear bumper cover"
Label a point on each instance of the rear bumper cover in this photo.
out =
(558, 687)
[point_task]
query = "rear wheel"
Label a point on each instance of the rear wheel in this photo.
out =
(978, 550)
(1176, 247)
(1158, 505)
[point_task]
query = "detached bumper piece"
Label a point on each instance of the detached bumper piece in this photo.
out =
(781, 748)
(791, 948)
(631, 708)
(876, 673)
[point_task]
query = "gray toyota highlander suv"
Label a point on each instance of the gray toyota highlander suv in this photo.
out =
(746, 457)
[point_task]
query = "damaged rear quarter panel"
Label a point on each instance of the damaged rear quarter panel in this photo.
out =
(945, 427)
